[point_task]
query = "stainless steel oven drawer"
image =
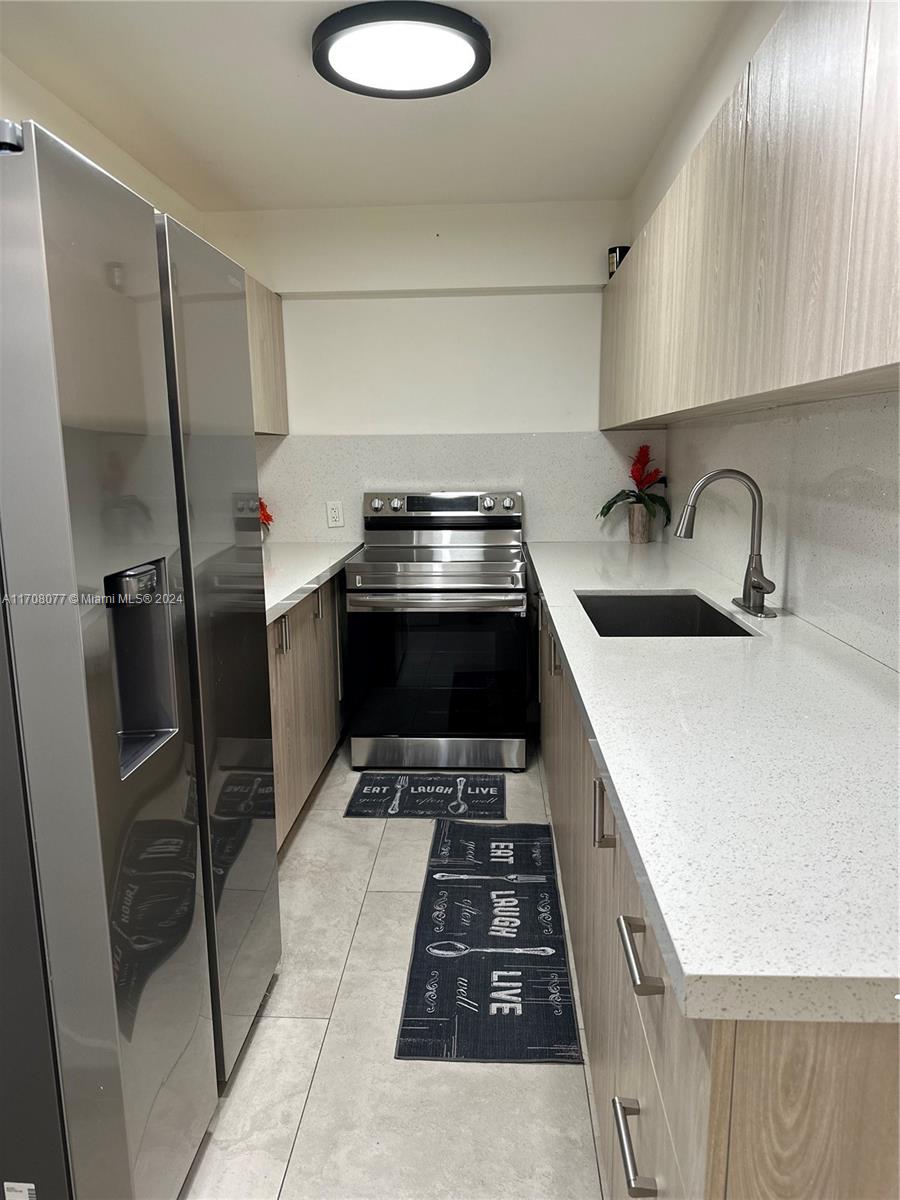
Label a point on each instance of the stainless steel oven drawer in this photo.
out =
(447, 576)
(437, 602)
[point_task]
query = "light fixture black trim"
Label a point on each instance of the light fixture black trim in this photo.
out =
(418, 11)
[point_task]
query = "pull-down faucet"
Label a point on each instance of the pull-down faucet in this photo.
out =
(756, 585)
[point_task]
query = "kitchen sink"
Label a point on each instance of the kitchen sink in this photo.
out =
(657, 614)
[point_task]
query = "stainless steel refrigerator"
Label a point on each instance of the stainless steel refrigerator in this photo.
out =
(138, 813)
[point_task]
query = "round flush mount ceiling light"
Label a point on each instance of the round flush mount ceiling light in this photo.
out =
(401, 49)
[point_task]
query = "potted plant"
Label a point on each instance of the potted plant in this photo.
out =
(643, 504)
(265, 519)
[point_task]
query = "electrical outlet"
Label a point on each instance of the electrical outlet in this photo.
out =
(334, 514)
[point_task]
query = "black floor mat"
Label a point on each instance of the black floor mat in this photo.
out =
(466, 796)
(489, 977)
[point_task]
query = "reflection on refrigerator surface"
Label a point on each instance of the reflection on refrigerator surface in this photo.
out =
(208, 342)
(105, 306)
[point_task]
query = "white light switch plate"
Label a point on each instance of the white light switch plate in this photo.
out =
(334, 514)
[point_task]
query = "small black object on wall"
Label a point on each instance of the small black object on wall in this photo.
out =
(616, 255)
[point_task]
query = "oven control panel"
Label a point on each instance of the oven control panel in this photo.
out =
(495, 503)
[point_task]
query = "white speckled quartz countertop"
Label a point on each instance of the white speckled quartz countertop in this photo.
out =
(294, 569)
(755, 785)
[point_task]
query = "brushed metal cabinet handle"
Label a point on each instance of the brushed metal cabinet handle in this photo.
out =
(319, 612)
(555, 665)
(643, 985)
(602, 840)
(637, 1185)
(284, 639)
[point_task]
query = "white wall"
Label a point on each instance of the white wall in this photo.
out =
(565, 477)
(22, 98)
(828, 474)
(423, 246)
(745, 27)
(470, 318)
(452, 364)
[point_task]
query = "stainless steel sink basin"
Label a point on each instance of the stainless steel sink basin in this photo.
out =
(657, 614)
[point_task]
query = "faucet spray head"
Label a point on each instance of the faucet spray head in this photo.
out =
(685, 527)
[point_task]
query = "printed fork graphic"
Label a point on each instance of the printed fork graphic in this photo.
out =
(401, 783)
(511, 878)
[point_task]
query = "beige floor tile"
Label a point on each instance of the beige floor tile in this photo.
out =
(402, 856)
(322, 881)
(375, 1127)
(253, 1131)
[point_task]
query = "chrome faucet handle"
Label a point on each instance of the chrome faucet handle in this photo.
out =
(759, 583)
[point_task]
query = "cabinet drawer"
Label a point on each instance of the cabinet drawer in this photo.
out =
(645, 1125)
(691, 1059)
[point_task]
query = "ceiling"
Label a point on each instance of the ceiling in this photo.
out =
(220, 100)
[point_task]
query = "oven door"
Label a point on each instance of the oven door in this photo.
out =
(437, 665)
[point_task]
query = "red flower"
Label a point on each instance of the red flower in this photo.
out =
(640, 463)
(265, 517)
(643, 478)
(650, 478)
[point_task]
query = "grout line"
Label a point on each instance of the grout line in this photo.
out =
(312, 1079)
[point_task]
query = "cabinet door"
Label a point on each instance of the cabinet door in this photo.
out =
(550, 691)
(661, 283)
(814, 1111)
(708, 250)
(599, 978)
(265, 329)
(285, 727)
(633, 1074)
(872, 325)
(802, 137)
(618, 343)
(326, 729)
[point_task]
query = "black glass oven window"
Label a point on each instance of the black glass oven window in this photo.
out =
(437, 674)
(443, 504)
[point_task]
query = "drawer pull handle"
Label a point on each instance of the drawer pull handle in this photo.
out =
(555, 665)
(319, 610)
(284, 640)
(643, 985)
(602, 840)
(637, 1185)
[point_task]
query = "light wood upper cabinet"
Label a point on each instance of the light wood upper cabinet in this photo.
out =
(806, 83)
(709, 260)
(872, 323)
(769, 271)
(265, 328)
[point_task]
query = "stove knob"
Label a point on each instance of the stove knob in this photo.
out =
(508, 502)
(396, 504)
(487, 503)
(377, 505)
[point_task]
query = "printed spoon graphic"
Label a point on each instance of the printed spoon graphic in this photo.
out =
(459, 806)
(458, 949)
(511, 878)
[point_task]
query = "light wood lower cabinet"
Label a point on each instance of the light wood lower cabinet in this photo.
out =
(727, 1110)
(304, 678)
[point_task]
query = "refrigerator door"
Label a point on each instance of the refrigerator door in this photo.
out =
(102, 671)
(32, 1143)
(212, 420)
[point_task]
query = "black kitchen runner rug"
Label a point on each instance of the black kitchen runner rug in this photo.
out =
(489, 978)
(466, 796)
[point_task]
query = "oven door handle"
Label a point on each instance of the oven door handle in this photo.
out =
(436, 602)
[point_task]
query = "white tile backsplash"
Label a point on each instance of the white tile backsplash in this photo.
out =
(565, 477)
(828, 473)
